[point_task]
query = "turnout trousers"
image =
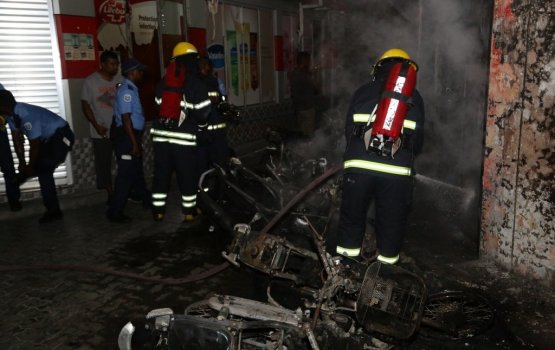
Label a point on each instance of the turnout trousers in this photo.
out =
(392, 196)
(215, 151)
(170, 157)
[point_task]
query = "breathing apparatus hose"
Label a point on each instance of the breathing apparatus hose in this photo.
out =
(174, 281)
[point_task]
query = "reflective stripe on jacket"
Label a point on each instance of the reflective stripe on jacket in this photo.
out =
(178, 138)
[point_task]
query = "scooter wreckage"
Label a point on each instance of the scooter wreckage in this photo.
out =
(342, 304)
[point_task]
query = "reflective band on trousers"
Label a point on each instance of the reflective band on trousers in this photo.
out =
(352, 252)
(189, 201)
(387, 260)
(213, 93)
(363, 118)
(217, 126)
(382, 168)
(159, 199)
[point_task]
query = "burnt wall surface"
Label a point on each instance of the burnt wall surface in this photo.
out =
(518, 208)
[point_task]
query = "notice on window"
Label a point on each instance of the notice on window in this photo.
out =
(78, 47)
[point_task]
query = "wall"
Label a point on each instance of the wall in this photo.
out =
(518, 205)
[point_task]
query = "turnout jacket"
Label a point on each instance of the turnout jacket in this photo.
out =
(360, 113)
(197, 106)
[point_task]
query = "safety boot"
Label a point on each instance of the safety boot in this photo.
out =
(192, 216)
(158, 216)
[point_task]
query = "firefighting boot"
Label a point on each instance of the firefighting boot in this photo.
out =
(158, 216)
(190, 217)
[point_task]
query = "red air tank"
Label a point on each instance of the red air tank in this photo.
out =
(394, 102)
(172, 93)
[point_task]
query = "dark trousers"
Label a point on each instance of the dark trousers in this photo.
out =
(103, 150)
(52, 153)
(216, 151)
(169, 157)
(130, 174)
(8, 169)
(392, 196)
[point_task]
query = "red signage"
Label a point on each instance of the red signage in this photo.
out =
(112, 11)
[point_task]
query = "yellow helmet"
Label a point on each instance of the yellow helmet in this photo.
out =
(183, 48)
(394, 53)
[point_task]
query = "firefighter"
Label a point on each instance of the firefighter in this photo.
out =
(215, 149)
(175, 140)
(387, 179)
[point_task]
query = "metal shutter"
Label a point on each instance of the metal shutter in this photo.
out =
(29, 63)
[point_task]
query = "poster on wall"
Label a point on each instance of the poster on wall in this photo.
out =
(215, 49)
(241, 51)
(144, 21)
(78, 46)
(111, 28)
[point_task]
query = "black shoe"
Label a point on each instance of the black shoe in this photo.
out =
(158, 216)
(51, 215)
(119, 218)
(16, 206)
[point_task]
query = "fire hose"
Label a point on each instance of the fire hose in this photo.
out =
(315, 183)
(173, 281)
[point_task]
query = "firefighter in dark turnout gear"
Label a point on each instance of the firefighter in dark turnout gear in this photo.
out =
(369, 175)
(215, 149)
(175, 149)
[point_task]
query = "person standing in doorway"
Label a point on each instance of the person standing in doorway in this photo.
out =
(97, 104)
(303, 93)
(129, 125)
(50, 139)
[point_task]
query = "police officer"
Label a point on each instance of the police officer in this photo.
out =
(369, 175)
(7, 166)
(50, 140)
(129, 122)
(175, 148)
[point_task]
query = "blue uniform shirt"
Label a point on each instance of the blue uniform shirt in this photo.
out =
(36, 122)
(127, 101)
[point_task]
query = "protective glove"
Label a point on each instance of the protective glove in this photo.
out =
(229, 112)
(203, 136)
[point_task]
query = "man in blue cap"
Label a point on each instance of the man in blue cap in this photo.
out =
(129, 122)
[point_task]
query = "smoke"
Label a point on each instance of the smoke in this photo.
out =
(449, 41)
